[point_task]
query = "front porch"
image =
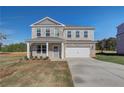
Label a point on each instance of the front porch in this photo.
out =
(52, 49)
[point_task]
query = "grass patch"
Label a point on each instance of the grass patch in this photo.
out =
(34, 74)
(111, 57)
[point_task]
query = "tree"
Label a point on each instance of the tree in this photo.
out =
(111, 44)
(2, 37)
(17, 47)
(106, 44)
(103, 45)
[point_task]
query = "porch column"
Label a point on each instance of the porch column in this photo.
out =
(62, 50)
(28, 50)
(47, 46)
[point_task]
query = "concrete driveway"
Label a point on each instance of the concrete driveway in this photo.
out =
(88, 72)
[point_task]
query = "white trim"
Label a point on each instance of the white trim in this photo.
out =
(77, 52)
(46, 26)
(49, 19)
(28, 50)
(62, 50)
(54, 32)
(47, 47)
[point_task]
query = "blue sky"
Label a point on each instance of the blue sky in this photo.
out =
(15, 21)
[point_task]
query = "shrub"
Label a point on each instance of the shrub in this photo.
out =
(34, 58)
(20, 60)
(41, 57)
(31, 57)
(46, 58)
(26, 58)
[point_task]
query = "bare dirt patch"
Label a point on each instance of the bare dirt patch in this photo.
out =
(34, 73)
(12, 54)
(6, 72)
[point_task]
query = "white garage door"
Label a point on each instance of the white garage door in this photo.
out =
(77, 52)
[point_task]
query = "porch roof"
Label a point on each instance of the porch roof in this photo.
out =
(46, 39)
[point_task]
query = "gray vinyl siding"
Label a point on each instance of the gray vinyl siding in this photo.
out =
(120, 43)
(81, 32)
(63, 34)
(120, 39)
(43, 31)
(77, 45)
(46, 22)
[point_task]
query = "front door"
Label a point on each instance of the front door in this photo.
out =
(56, 51)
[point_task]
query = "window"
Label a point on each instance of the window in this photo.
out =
(69, 34)
(85, 34)
(38, 32)
(43, 48)
(38, 48)
(57, 33)
(56, 49)
(47, 32)
(77, 34)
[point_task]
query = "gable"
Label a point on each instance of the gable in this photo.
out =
(47, 21)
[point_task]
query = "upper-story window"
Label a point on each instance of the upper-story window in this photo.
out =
(47, 32)
(57, 33)
(38, 32)
(85, 34)
(77, 34)
(69, 34)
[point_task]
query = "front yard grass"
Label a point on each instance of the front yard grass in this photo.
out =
(14, 73)
(110, 57)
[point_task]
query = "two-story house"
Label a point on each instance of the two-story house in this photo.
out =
(58, 41)
(120, 39)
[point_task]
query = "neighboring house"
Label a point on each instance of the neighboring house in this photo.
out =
(120, 39)
(58, 41)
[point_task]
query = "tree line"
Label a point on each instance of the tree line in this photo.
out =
(104, 44)
(17, 47)
(108, 44)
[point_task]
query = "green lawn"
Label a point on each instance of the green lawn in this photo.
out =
(111, 58)
(37, 73)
